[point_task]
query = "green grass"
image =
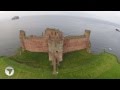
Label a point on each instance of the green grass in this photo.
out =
(75, 65)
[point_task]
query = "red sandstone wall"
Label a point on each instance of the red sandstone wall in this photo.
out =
(75, 44)
(41, 44)
(36, 44)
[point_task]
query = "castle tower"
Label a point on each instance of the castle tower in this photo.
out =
(55, 46)
(55, 42)
(53, 33)
(87, 35)
(22, 37)
(55, 53)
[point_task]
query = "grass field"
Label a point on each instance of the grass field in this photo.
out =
(75, 65)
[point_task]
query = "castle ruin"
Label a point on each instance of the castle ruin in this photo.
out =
(55, 44)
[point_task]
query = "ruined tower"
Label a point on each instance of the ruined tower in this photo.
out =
(55, 45)
(87, 33)
(88, 44)
(22, 37)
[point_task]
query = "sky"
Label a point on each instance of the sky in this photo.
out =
(112, 16)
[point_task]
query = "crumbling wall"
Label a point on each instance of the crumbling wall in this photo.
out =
(33, 43)
(74, 44)
(36, 44)
(40, 44)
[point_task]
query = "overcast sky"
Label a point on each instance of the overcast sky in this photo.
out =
(113, 16)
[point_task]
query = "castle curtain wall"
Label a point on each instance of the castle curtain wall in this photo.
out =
(36, 44)
(74, 44)
(63, 44)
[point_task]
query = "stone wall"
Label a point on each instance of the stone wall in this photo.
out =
(33, 43)
(40, 43)
(74, 44)
(36, 44)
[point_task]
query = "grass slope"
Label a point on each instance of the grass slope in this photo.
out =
(78, 64)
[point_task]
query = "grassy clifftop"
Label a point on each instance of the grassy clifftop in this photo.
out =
(78, 64)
